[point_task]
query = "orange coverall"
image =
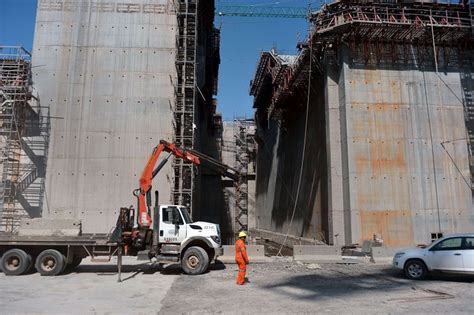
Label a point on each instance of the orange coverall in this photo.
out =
(241, 259)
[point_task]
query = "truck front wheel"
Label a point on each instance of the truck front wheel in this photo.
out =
(195, 261)
(50, 262)
(15, 262)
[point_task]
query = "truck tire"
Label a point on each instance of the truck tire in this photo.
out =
(195, 261)
(50, 262)
(15, 262)
(415, 269)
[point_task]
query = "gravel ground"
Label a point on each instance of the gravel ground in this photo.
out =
(279, 287)
(287, 287)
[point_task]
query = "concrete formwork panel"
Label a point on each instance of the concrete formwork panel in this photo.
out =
(106, 70)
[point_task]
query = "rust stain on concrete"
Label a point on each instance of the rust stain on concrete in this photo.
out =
(385, 130)
(384, 121)
(395, 226)
(382, 158)
(367, 198)
(387, 157)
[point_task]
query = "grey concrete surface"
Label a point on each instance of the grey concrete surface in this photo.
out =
(280, 287)
(321, 253)
(400, 182)
(91, 289)
(256, 253)
(48, 227)
(382, 254)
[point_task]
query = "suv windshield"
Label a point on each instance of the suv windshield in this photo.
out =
(185, 213)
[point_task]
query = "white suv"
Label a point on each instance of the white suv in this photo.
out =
(453, 253)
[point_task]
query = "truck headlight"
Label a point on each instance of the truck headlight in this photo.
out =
(216, 239)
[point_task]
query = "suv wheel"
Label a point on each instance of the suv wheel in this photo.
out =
(415, 269)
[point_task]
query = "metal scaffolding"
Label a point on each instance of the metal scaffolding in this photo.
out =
(24, 140)
(244, 154)
(379, 34)
(184, 112)
(257, 11)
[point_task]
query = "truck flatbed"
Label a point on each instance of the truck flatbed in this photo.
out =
(57, 240)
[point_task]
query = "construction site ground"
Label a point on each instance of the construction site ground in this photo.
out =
(282, 286)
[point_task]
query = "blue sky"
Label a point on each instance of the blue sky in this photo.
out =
(242, 40)
(17, 22)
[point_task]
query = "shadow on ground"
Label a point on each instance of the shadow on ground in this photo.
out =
(145, 268)
(434, 276)
(439, 276)
(339, 284)
(217, 265)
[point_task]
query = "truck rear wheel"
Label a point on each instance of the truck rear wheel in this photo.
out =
(50, 262)
(195, 261)
(15, 262)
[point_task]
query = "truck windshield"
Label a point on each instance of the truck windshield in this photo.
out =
(185, 213)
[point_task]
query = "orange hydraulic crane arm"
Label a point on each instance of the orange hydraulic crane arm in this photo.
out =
(144, 192)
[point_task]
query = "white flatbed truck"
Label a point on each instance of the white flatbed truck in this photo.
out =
(179, 240)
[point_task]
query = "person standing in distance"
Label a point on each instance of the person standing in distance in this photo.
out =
(241, 257)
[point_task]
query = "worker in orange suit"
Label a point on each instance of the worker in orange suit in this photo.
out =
(241, 257)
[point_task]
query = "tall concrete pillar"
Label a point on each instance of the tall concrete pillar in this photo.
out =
(334, 143)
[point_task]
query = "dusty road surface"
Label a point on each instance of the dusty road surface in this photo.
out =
(91, 289)
(281, 287)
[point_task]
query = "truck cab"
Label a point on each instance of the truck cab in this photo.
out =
(178, 238)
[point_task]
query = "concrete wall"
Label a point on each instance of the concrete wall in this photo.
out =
(228, 157)
(374, 162)
(398, 181)
(279, 159)
(105, 69)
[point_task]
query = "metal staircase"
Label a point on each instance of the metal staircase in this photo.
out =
(24, 135)
(244, 154)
